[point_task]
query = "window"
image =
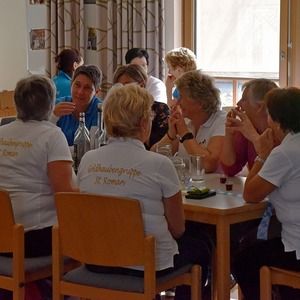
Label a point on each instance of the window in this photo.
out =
(237, 40)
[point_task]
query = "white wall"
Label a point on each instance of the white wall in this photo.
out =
(13, 37)
(13, 48)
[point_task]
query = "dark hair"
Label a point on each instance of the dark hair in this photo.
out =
(34, 98)
(92, 72)
(284, 107)
(136, 52)
(135, 72)
(65, 60)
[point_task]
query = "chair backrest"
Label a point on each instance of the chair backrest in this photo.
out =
(7, 223)
(6, 120)
(276, 276)
(101, 230)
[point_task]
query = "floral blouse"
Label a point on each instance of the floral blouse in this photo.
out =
(160, 123)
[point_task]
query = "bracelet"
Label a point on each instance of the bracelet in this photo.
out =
(172, 139)
(257, 158)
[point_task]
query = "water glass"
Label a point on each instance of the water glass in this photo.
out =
(164, 149)
(179, 167)
(196, 165)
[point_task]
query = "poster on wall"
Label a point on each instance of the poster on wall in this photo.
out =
(36, 36)
(92, 39)
(37, 39)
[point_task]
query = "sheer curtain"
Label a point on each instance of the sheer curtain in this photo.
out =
(120, 25)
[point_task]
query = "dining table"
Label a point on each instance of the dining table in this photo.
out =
(221, 210)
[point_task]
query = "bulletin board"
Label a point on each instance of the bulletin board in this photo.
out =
(36, 27)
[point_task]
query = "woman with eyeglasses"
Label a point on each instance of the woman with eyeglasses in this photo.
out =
(130, 74)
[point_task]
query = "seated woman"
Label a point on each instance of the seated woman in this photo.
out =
(67, 61)
(179, 61)
(85, 86)
(276, 175)
(128, 119)
(197, 125)
(135, 74)
(38, 163)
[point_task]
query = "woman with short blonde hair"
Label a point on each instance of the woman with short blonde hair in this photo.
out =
(133, 106)
(125, 168)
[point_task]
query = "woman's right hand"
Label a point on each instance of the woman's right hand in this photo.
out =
(266, 141)
(64, 108)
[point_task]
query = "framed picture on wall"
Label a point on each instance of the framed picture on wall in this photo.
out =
(36, 2)
(37, 39)
(92, 39)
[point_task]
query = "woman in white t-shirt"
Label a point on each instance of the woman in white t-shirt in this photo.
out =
(196, 124)
(35, 163)
(125, 168)
(276, 174)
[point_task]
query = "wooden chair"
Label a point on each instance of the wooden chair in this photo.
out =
(108, 231)
(15, 271)
(275, 276)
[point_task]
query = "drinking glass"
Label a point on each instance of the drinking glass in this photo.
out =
(164, 149)
(179, 165)
(197, 168)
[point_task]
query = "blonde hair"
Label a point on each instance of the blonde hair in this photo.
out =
(183, 58)
(124, 108)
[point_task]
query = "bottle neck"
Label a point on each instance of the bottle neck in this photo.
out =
(100, 120)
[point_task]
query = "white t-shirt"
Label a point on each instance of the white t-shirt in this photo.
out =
(282, 168)
(157, 89)
(125, 168)
(25, 150)
(214, 126)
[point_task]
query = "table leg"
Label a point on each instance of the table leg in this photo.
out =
(222, 267)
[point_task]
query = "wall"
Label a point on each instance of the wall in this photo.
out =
(13, 36)
(13, 49)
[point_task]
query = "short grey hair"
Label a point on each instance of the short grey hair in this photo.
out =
(258, 88)
(34, 98)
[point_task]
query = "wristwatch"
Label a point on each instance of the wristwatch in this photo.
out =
(187, 136)
(257, 158)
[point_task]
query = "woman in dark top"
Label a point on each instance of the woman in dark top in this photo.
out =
(129, 74)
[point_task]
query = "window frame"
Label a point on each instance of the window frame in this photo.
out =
(289, 65)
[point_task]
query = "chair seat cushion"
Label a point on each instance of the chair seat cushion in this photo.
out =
(118, 282)
(31, 264)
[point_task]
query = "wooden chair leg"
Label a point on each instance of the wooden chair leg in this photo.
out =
(265, 284)
(196, 283)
